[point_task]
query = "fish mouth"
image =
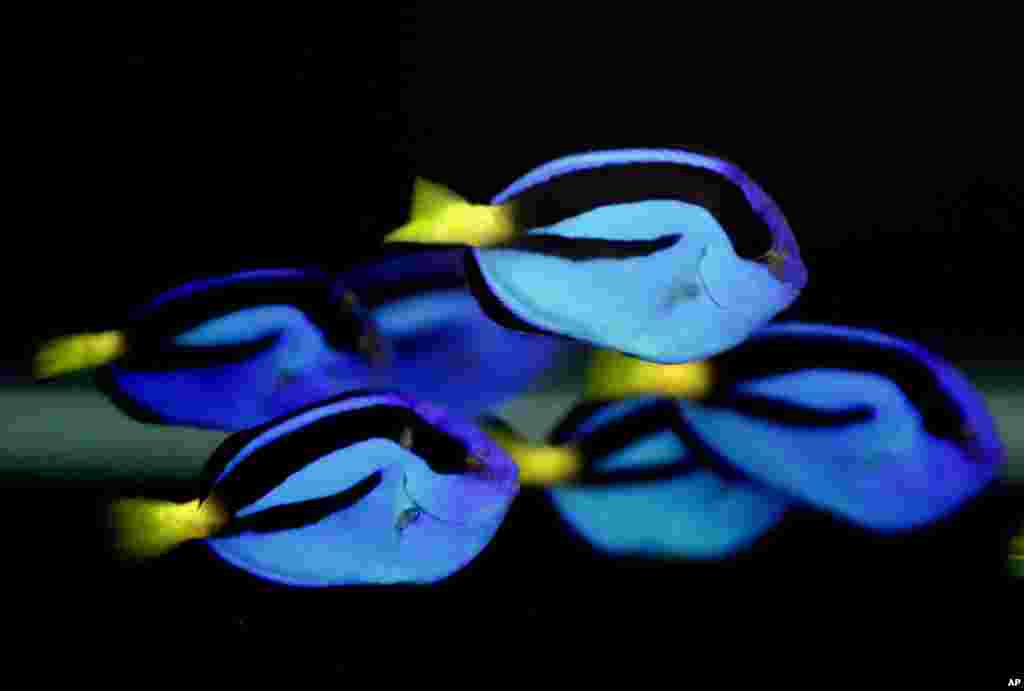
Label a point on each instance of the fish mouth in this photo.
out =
(742, 287)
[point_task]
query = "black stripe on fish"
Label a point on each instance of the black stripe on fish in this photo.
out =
(395, 277)
(390, 291)
(635, 476)
(788, 414)
(492, 306)
(619, 433)
(303, 513)
(235, 443)
(767, 355)
(271, 464)
(314, 293)
(702, 454)
(574, 419)
(170, 357)
(576, 192)
(650, 419)
(586, 249)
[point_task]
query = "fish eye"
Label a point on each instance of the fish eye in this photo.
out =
(443, 453)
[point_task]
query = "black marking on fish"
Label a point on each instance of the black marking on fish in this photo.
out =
(587, 249)
(788, 414)
(315, 293)
(495, 310)
(635, 476)
(767, 355)
(575, 192)
(575, 419)
(658, 416)
(269, 465)
(235, 443)
(303, 513)
(167, 357)
(435, 272)
(619, 433)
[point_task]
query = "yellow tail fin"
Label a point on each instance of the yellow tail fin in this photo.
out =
(540, 465)
(440, 216)
(147, 528)
(79, 351)
(612, 375)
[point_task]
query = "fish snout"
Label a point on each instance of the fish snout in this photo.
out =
(748, 288)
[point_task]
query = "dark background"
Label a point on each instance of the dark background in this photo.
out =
(893, 152)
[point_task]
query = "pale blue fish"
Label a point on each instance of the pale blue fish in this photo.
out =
(368, 488)
(869, 426)
(666, 255)
(442, 347)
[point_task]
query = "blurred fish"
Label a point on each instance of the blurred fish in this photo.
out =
(367, 488)
(230, 352)
(871, 427)
(667, 255)
(632, 478)
(443, 348)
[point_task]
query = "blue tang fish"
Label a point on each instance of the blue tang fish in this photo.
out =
(230, 352)
(666, 255)
(442, 347)
(864, 425)
(367, 488)
(872, 427)
(632, 478)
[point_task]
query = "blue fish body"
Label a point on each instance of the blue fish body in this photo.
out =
(652, 489)
(665, 255)
(443, 348)
(232, 352)
(369, 488)
(871, 427)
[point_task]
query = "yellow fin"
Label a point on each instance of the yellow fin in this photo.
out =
(440, 216)
(613, 375)
(540, 465)
(79, 351)
(147, 528)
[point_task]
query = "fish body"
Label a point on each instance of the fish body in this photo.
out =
(368, 488)
(232, 352)
(442, 347)
(665, 255)
(868, 426)
(646, 485)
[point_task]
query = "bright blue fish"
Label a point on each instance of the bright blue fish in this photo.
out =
(442, 347)
(874, 428)
(231, 352)
(666, 255)
(367, 488)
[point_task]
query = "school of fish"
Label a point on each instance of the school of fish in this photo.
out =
(365, 448)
